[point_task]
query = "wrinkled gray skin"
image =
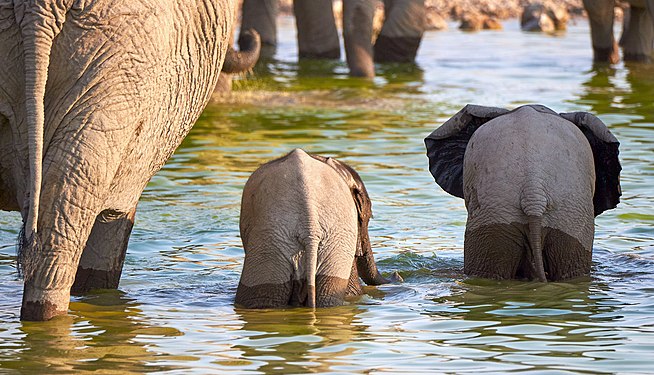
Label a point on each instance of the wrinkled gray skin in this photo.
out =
(94, 97)
(398, 40)
(637, 34)
(304, 227)
(532, 181)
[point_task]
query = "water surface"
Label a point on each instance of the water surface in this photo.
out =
(174, 309)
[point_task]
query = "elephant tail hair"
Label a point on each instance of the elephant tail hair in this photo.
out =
(535, 237)
(311, 258)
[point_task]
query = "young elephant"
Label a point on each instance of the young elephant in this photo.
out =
(304, 227)
(532, 180)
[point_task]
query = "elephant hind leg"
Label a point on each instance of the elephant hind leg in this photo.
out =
(564, 256)
(495, 251)
(264, 296)
(354, 285)
(102, 261)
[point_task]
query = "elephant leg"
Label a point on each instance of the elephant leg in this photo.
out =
(330, 290)
(101, 263)
(600, 16)
(638, 35)
(357, 34)
(494, 251)
(261, 15)
(564, 256)
(354, 284)
(267, 279)
(400, 37)
(317, 36)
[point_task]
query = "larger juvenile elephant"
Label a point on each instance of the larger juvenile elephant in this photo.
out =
(532, 181)
(304, 227)
(637, 34)
(94, 97)
(398, 41)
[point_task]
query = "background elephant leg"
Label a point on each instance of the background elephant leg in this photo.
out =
(357, 34)
(101, 263)
(317, 36)
(401, 34)
(600, 16)
(638, 35)
(564, 256)
(261, 15)
(494, 251)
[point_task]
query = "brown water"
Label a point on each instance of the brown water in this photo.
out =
(174, 309)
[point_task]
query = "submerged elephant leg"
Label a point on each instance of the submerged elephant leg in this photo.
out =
(400, 37)
(564, 256)
(317, 36)
(601, 16)
(638, 36)
(493, 251)
(357, 34)
(101, 263)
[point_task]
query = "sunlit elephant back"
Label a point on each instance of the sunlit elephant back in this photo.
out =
(95, 96)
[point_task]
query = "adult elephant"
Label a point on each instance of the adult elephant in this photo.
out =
(304, 227)
(94, 97)
(637, 34)
(398, 41)
(532, 181)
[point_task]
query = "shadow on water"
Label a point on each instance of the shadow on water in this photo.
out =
(102, 334)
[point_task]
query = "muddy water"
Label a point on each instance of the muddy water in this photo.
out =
(174, 313)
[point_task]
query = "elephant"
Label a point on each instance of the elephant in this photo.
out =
(94, 97)
(637, 34)
(304, 227)
(545, 17)
(532, 181)
(398, 40)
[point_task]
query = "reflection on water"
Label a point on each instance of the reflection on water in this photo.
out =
(174, 310)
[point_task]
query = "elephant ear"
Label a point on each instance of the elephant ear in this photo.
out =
(447, 145)
(360, 196)
(605, 155)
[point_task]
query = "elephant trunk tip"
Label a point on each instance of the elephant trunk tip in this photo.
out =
(246, 58)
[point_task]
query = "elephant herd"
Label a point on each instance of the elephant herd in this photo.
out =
(404, 25)
(96, 95)
(533, 181)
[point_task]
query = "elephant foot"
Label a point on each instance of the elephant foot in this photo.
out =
(637, 57)
(396, 49)
(88, 279)
(333, 54)
(49, 305)
(606, 55)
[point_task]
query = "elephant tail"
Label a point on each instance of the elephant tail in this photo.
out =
(311, 258)
(535, 228)
(39, 25)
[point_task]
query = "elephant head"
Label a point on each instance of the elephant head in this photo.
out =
(532, 181)
(304, 227)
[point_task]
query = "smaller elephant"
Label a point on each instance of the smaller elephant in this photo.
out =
(532, 181)
(304, 227)
(546, 17)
